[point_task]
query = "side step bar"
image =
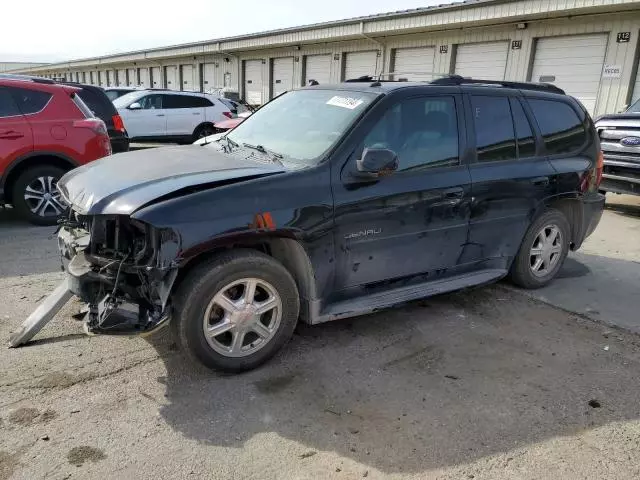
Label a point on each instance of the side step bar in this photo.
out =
(376, 301)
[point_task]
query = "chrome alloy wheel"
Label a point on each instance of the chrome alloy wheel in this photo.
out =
(43, 198)
(546, 251)
(242, 317)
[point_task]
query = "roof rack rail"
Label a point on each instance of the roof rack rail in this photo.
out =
(459, 80)
(26, 78)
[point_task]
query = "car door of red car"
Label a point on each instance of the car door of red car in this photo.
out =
(16, 138)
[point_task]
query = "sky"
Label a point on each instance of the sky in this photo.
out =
(56, 30)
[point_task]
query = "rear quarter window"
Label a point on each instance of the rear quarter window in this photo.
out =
(30, 101)
(561, 128)
(82, 106)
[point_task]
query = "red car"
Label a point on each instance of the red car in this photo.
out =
(45, 130)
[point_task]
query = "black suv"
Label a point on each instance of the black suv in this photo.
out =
(101, 105)
(331, 202)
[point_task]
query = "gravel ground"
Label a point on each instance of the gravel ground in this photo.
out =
(488, 384)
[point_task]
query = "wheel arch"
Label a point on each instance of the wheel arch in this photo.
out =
(284, 249)
(570, 205)
(35, 159)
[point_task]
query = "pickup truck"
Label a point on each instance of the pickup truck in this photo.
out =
(620, 140)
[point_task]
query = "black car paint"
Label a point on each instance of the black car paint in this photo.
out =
(345, 237)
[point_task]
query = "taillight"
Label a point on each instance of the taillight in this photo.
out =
(591, 178)
(599, 168)
(118, 124)
(228, 114)
(94, 124)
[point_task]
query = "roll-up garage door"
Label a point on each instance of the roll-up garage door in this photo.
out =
(170, 76)
(187, 78)
(414, 64)
(253, 82)
(359, 64)
(486, 61)
(122, 77)
(282, 77)
(110, 82)
(318, 68)
(156, 79)
(131, 77)
(209, 76)
(143, 77)
(573, 63)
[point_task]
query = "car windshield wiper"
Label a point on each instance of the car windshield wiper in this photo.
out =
(275, 156)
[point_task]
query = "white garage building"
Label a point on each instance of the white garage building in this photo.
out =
(587, 47)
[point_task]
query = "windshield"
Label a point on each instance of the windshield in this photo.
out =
(635, 107)
(128, 99)
(302, 125)
(113, 94)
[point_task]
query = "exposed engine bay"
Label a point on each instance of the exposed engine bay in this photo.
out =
(123, 269)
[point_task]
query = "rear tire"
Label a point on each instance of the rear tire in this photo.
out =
(213, 297)
(542, 252)
(36, 197)
(202, 131)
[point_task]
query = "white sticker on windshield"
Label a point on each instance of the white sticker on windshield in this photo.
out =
(345, 102)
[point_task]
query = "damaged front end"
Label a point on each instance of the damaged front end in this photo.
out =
(122, 268)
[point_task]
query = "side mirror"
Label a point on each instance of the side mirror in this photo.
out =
(135, 106)
(376, 163)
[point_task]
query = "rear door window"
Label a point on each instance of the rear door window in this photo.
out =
(495, 137)
(561, 129)
(524, 132)
(176, 101)
(8, 107)
(30, 101)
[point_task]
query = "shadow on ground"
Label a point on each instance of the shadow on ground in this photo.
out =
(438, 383)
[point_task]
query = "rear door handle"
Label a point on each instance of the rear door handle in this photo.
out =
(160, 115)
(456, 192)
(10, 135)
(196, 113)
(540, 181)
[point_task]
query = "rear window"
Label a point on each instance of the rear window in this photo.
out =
(560, 126)
(30, 101)
(82, 106)
(98, 103)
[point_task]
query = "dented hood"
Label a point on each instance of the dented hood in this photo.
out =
(125, 182)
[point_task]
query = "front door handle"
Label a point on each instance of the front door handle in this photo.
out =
(540, 181)
(160, 115)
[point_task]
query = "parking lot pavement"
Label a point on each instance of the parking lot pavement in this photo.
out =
(485, 384)
(602, 280)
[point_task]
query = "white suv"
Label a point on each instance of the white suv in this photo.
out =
(169, 115)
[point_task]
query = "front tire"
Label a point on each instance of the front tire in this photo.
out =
(235, 311)
(36, 197)
(543, 251)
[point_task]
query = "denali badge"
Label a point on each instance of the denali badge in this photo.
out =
(363, 233)
(630, 141)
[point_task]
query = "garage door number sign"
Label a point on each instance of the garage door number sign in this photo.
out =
(623, 37)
